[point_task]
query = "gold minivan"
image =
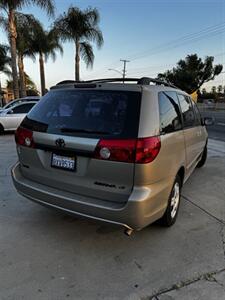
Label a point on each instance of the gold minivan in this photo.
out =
(111, 150)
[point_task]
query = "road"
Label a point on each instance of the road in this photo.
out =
(216, 131)
(48, 255)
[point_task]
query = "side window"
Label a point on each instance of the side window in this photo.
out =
(197, 114)
(170, 119)
(23, 108)
(187, 110)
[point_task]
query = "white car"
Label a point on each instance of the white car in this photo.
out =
(19, 100)
(11, 117)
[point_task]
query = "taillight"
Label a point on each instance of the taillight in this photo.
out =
(142, 150)
(147, 149)
(118, 150)
(24, 137)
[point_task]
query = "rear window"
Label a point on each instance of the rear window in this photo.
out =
(89, 113)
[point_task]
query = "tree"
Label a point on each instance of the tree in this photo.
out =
(10, 6)
(204, 91)
(192, 72)
(213, 89)
(220, 89)
(81, 28)
(25, 25)
(4, 64)
(45, 44)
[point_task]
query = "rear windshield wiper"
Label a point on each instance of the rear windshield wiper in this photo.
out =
(74, 130)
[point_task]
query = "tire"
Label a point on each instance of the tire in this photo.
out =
(1, 129)
(203, 158)
(170, 215)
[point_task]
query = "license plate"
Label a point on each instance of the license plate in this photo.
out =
(63, 162)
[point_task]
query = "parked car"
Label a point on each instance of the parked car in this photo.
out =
(125, 165)
(20, 100)
(11, 117)
(210, 103)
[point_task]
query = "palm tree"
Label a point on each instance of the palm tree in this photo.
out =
(10, 6)
(4, 64)
(45, 44)
(25, 25)
(80, 27)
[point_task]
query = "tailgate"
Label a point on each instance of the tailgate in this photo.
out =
(102, 179)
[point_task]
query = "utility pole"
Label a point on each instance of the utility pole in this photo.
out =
(124, 67)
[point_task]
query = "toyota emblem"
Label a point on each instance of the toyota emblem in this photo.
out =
(60, 143)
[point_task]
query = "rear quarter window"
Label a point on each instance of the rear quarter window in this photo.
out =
(169, 112)
(197, 114)
(187, 111)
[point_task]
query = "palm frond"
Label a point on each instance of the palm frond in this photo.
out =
(47, 5)
(76, 25)
(87, 54)
(95, 35)
(92, 15)
(26, 25)
(4, 23)
(7, 71)
(5, 60)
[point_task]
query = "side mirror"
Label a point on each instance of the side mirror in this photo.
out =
(10, 112)
(208, 121)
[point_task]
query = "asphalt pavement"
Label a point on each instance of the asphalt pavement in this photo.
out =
(47, 255)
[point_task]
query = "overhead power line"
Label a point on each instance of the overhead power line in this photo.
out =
(207, 32)
(163, 66)
(187, 39)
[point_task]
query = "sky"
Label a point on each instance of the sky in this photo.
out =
(152, 34)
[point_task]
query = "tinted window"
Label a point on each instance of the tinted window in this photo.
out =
(187, 111)
(87, 113)
(170, 119)
(23, 108)
(197, 114)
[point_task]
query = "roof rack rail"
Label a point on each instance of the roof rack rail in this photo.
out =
(141, 81)
(113, 80)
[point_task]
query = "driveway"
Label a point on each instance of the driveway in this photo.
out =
(48, 255)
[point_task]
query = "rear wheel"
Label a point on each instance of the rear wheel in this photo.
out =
(203, 158)
(170, 215)
(1, 129)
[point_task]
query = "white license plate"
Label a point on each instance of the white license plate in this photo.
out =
(63, 162)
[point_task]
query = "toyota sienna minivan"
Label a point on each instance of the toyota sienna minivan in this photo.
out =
(124, 163)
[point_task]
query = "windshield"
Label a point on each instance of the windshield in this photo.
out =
(87, 113)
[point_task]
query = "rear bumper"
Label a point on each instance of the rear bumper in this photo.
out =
(144, 206)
